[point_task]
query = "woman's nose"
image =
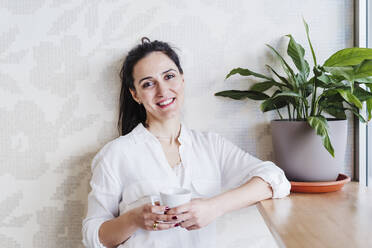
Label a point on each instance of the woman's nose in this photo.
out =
(162, 88)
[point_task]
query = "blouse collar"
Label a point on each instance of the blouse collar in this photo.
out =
(141, 134)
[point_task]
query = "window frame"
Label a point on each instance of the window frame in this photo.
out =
(361, 11)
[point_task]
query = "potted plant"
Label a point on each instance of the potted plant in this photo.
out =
(315, 104)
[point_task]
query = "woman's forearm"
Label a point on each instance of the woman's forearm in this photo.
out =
(116, 231)
(255, 190)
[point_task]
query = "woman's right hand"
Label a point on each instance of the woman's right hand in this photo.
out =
(148, 214)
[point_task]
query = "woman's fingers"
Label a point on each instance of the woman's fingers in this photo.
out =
(193, 227)
(156, 226)
(163, 217)
(180, 209)
(188, 223)
(183, 217)
(156, 209)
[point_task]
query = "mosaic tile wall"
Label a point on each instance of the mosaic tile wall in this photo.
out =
(59, 87)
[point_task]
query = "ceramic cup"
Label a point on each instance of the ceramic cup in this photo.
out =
(173, 197)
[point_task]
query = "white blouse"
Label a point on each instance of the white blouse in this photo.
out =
(131, 169)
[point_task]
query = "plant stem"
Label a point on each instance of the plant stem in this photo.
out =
(289, 112)
(281, 117)
(313, 105)
(319, 112)
(304, 112)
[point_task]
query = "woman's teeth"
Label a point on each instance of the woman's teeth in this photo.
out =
(166, 102)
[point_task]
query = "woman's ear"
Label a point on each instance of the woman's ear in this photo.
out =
(134, 95)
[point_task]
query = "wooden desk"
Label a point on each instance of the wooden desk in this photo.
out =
(337, 219)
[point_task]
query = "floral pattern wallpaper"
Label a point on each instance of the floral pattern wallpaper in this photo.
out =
(59, 88)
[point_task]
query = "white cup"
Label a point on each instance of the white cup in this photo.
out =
(173, 197)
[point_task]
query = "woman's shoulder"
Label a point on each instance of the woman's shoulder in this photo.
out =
(115, 148)
(204, 135)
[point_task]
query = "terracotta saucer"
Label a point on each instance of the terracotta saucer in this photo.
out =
(320, 187)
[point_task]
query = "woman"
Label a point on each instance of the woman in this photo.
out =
(156, 151)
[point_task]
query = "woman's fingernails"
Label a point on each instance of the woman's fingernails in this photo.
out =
(177, 224)
(166, 211)
(174, 217)
(167, 208)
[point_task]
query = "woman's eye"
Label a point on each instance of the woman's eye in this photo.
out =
(169, 76)
(147, 84)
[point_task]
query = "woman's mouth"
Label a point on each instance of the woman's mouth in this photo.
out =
(166, 103)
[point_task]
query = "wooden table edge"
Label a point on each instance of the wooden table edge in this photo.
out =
(270, 225)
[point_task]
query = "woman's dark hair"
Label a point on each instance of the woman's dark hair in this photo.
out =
(130, 112)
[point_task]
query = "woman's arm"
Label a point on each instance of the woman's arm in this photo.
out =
(115, 231)
(200, 212)
(255, 190)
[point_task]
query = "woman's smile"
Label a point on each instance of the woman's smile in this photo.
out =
(166, 103)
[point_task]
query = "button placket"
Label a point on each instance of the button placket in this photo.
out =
(166, 165)
(187, 168)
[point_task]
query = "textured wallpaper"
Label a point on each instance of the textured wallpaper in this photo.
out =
(59, 87)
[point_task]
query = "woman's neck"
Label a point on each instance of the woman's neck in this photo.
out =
(166, 131)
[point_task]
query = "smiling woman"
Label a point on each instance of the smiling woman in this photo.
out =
(157, 152)
(165, 67)
(160, 88)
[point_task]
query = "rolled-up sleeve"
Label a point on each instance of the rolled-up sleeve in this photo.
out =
(103, 202)
(238, 166)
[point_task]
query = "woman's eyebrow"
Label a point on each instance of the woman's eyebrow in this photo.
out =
(169, 71)
(149, 77)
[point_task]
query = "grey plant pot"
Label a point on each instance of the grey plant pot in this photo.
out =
(299, 151)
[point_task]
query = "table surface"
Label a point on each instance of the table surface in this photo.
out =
(335, 219)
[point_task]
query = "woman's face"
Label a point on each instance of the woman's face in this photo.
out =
(159, 86)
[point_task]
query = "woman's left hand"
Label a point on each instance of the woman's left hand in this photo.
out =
(195, 214)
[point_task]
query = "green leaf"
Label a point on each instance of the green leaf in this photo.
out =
(263, 86)
(362, 94)
(369, 105)
(289, 94)
(287, 69)
(348, 57)
(369, 109)
(349, 97)
(356, 112)
(363, 70)
(297, 53)
(336, 109)
(283, 79)
(333, 105)
(320, 124)
(324, 78)
(246, 72)
(273, 103)
(238, 94)
(300, 79)
(364, 80)
(343, 72)
(327, 93)
(308, 39)
(328, 97)
(309, 88)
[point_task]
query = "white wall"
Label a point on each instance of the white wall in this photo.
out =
(59, 87)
